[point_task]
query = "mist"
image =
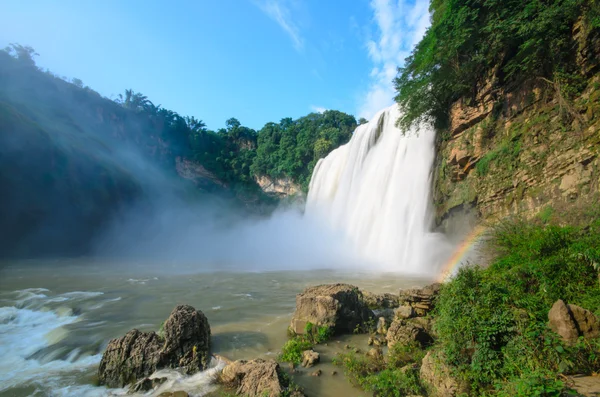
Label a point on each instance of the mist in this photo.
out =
(211, 236)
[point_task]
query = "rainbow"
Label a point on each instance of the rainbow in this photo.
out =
(459, 254)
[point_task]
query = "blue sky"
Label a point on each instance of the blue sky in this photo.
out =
(256, 60)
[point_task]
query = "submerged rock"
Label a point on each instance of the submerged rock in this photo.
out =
(186, 345)
(571, 321)
(256, 378)
(337, 306)
(316, 373)
(179, 393)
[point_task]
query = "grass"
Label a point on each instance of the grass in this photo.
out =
(313, 335)
(395, 375)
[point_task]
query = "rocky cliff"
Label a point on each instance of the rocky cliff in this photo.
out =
(519, 150)
(283, 187)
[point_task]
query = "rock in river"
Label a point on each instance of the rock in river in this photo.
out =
(338, 306)
(186, 345)
(256, 378)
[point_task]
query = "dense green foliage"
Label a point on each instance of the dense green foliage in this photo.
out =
(317, 334)
(292, 148)
(503, 42)
(492, 323)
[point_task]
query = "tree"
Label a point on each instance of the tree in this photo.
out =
(77, 82)
(24, 54)
(362, 121)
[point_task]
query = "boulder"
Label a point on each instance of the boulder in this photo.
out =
(571, 321)
(436, 375)
(310, 358)
(375, 354)
(380, 301)
(135, 356)
(179, 393)
(255, 378)
(187, 340)
(406, 332)
(422, 300)
(404, 311)
(337, 306)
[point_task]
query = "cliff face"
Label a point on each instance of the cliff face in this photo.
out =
(283, 187)
(518, 151)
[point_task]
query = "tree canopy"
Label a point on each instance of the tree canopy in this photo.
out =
(474, 42)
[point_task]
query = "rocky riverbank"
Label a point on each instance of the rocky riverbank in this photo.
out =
(400, 328)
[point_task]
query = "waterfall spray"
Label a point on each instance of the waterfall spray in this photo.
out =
(376, 190)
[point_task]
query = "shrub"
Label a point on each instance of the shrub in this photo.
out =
(292, 350)
(316, 333)
(492, 323)
(396, 375)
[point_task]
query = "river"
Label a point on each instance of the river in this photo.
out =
(56, 318)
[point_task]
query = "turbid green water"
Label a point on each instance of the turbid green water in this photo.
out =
(57, 317)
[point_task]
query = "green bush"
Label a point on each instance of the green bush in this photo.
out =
(317, 334)
(394, 382)
(292, 350)
(394, 375)
(492, 323)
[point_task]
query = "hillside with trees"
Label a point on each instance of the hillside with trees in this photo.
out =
(73, 160)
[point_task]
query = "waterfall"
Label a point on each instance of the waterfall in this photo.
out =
(376, 191)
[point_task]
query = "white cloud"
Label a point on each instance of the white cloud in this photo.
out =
(318, 109)
(279, 11)
(400, 25)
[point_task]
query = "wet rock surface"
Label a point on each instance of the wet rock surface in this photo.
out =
(135, 356)
(337, 306)
(310, 358)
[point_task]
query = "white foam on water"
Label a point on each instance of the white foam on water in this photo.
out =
(23, 332)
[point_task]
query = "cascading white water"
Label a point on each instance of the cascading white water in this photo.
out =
(376, 190)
